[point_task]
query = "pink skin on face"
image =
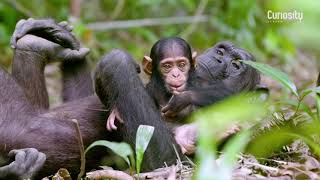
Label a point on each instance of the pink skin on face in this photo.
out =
(175, 73)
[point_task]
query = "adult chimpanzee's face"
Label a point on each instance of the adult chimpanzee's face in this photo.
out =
(175, 72)
(220, 62)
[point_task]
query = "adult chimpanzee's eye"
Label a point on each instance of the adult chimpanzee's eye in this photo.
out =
(219, 52)
(236, 64)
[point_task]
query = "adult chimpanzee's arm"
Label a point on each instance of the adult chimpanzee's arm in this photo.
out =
(118, 86)
(199, 97)
(25, 166)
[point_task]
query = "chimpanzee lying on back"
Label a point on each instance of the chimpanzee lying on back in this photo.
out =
(43, 127)
(26, 121)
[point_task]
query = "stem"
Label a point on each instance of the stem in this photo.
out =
(296, 111)
(81, 147)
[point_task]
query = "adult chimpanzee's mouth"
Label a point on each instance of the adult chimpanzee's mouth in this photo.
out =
(206, 68)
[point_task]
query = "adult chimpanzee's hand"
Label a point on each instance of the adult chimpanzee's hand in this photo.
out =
(177, 103)
(26, 164)
(47, 29)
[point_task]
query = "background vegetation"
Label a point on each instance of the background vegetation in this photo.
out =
(243, 22)
(291, 46)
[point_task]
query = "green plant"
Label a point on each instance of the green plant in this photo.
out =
(221, 115)
(124, 150)
(302, 124)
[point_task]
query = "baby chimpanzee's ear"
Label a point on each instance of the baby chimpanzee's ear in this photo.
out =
(147, 65)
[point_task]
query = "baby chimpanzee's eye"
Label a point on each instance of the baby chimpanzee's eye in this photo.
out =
(182, 65)
(167, 66)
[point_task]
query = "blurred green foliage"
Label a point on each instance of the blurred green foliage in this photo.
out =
(243, 22)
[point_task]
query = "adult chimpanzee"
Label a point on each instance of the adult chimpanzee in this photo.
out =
(219, 74)
(26, 121)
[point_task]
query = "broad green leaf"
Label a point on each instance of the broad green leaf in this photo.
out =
(206, 168)
(222, 114)
(143, 137)
(264, 144)
(233, 147)
(215, 119)
(313, 145)
(275, 74)
(120, 148)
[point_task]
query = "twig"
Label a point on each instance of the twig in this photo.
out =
(161, 172)
(18, 7)
(263, 167)
(109, 173)
(82, 156)
(192, 27)
(102, 26)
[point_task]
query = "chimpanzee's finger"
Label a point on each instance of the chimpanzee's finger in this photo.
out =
(69, 54)
(39, 162)
(165, 108)
(16, 34)
(66, 25)
(112, 124)
(118, 116)
(31, 156)
(110, 118)
(20, 155)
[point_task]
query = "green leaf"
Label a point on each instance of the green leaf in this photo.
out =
(120, 148)
(219, 116)
(309, 90)
(318, 106)
(301, 107)
(275, 74)
(215, 119)
(143, 138)
(313, 145)
(233, 147)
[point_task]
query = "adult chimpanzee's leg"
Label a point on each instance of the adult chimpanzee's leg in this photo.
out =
(118, 86)
(12, 99)
(15, 107)
(28, 70)
(32, 53)
(77, 82)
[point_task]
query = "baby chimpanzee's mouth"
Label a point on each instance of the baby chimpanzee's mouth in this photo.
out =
(177, 87)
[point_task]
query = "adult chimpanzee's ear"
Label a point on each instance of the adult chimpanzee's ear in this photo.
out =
(194, 56)
(147, 65)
